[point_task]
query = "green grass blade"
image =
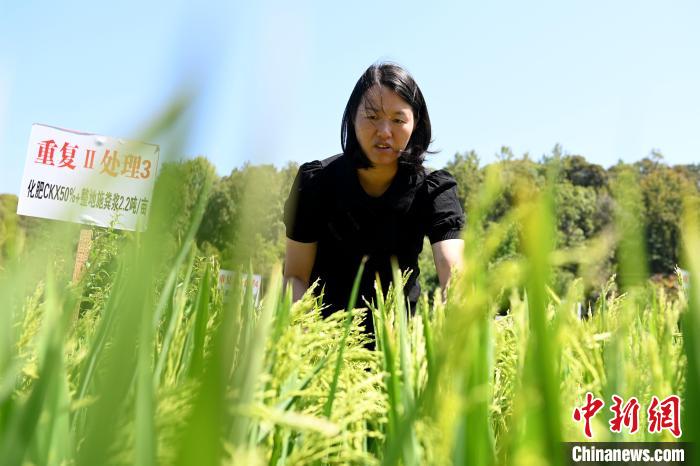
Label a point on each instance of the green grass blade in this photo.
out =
(117, 375)
(174, 318)
(691, 329)
(251, 358)
(21, 428)
(328, 408)
(97, 344)
(60, 441)
(541, 360)
(428, 338)
(409, 446)
(628, 214)
(201, 316)
(396, 430)
(145, 429)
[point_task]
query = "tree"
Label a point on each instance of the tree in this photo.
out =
(576, 208)
(177, 192)
(244, 215)
(580, 172)
(11, 236)
(663, 192)
(465, 169)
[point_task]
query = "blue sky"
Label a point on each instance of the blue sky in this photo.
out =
(607, 80)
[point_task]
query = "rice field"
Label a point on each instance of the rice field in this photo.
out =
(146, 361)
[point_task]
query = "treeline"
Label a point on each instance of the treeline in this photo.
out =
(242, 221)
(585, 200)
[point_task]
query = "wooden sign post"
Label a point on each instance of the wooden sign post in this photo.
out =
(81, 256)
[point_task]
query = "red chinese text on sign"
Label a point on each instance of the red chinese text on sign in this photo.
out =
(46, 151)
(132, 166)
(627, 415)
(89, 158)
(68, 156)
(587, 411)
(665, 415)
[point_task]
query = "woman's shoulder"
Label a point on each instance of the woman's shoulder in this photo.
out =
(319, 167)
(437, 181)
(319, 172)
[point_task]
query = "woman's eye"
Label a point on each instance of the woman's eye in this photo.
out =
(399, 121)
(371, 117)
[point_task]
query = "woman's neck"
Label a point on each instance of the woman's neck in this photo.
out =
(375, 181)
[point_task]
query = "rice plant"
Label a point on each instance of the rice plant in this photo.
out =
(145, 360)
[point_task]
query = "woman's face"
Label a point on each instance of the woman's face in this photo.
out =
(383, 125)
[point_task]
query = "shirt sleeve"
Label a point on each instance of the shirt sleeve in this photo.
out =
(446, 218)
(301, 210)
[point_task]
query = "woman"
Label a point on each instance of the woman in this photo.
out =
(375, 199)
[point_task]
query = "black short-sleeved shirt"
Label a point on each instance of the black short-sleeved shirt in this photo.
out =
(328, 205)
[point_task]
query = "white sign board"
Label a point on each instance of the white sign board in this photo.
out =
(226, 278)
(87, 178)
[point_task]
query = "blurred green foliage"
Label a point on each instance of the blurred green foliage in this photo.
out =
(143, 361)
(243, 218)
(247, 230)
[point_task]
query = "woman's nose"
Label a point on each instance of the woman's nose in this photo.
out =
(383, 128)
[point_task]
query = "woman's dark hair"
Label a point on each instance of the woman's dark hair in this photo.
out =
(397, 79)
